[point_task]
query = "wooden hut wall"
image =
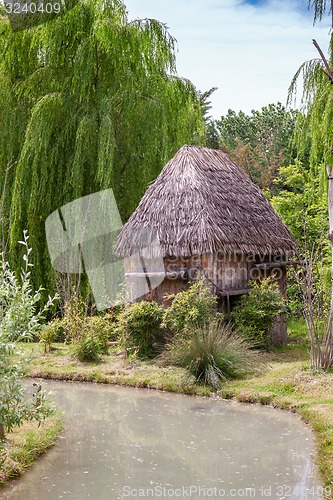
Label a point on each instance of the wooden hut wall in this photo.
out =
(225, 271)
(229, 272)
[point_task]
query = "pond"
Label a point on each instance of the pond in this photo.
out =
(120, 442)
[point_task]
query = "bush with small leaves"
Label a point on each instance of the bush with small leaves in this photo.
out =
(89, 335)
(74, 318)
(20, 320)
(21, 312)
(254, 314)
(88, 347)
(190, 308)
(139, 327)
(103, 327)
(51, 332)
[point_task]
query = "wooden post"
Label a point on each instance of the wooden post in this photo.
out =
(329, 337)
(329, 171)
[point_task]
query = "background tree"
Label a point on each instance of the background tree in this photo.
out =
(88, 101)
(260, 142)
(211, 133)
(316, 125)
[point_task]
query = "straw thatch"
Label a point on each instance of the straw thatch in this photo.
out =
(202, 202)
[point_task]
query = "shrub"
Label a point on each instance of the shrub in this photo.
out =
(87, 347)
(21, 311)
(50, 333)
(89, 335)
(254, 314)
(140, 328)
(19, 320)
(74, 318)
(103, 328)
(212, 353)
(190, 308)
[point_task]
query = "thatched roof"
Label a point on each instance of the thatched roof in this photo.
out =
(202, 202)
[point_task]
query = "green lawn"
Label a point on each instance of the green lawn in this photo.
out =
(25, 445)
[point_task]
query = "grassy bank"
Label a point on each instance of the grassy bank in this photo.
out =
(25, 444)
(285, 382)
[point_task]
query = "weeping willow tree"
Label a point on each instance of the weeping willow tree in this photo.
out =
(88, 101)
(316, 124)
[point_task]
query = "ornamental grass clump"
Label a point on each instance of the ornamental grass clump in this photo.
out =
(213, 353)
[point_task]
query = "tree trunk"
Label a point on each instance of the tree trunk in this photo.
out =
(329, 335)
(2, 433)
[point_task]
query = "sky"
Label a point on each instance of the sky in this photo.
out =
(249, 49)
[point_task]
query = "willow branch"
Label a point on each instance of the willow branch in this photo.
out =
(328, 69)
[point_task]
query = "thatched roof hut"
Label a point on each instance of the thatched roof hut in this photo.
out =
(202, 202)
(203, 216)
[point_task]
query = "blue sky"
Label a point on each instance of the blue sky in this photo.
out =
(249, 49)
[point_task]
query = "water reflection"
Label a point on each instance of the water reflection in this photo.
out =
(130, 443)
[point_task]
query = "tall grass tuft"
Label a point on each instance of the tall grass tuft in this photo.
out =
(213, 353)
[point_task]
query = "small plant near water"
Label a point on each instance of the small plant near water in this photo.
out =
(14, 407)
(140, 331)
(19, 320)
(254, 314)
(212, 353)
(190, 308)
(89, 335)
(21, 313)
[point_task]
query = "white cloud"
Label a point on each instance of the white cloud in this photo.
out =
(251, 53)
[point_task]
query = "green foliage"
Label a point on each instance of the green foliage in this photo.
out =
(103, 327)
(140, 328)
(51, 332)
(294, 299)
(314, 124)
(18, 321)
(21, 312)
(74, 318)
(190, 308)
(260, 142)
(15, 406)
(87, 347)
(211, 133)
(299, 206)
(88, 101)
(254, 314)
(304, 210)
(89, 335)
(297, 331)
(212, 353)
(320, 8)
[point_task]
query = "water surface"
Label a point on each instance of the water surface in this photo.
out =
(132, 443)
